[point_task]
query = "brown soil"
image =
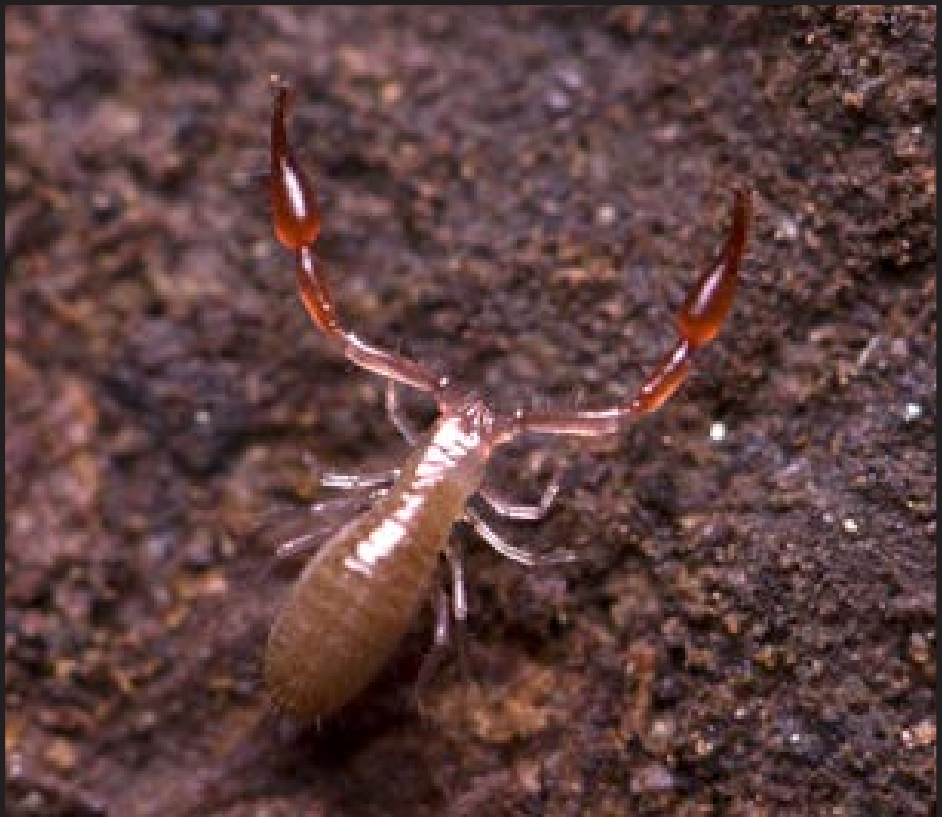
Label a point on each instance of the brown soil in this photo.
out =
(518, 196)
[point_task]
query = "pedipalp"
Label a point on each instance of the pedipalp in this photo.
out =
(706, 306)
(297, 225)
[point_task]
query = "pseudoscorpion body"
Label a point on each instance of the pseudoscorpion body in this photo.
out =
(358, 594)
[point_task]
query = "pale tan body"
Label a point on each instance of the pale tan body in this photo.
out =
(358, 596)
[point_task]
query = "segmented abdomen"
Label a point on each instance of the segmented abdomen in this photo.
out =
(353, 603)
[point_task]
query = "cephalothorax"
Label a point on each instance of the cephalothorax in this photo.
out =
(357, 596)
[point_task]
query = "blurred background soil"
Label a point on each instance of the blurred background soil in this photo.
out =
(518, 196)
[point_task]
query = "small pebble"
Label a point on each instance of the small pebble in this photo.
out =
(919, 648)
(61, 754)
(14, 765)
(666, 134)
(606, 215)
(899, 347)
(557, 100)
(571, 78)
(786, 229)
(662, 729)
(920, 735)
(853, 99)
(652, 778)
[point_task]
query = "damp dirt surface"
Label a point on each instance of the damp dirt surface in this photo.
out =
(518, 197)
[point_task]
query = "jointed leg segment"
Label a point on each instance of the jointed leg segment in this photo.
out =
(445, 614)
(380, 479)
(394, 410)
(519, 510)
(524, 557)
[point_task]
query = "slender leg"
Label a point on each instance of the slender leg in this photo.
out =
(524, 557)
(320, 530)
(296, 548)
(459, 604)
(331, 479)
(433, 658)
(459, 597)
(378, 480)
(394, 410)
(517, 510)
(350, 503)
(442, 619)
(302, 545)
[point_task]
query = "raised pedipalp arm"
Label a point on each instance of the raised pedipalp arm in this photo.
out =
(297, 224)
(699, 320)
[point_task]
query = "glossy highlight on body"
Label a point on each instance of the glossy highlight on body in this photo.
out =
(359, 593)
